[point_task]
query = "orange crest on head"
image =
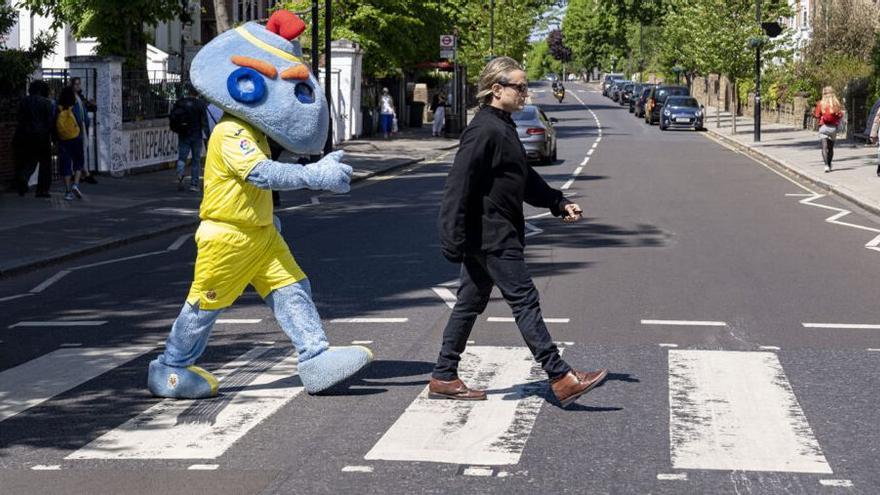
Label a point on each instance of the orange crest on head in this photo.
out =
(286, 24)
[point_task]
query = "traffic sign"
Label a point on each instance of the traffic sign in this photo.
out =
(447, 53)
(447, 42)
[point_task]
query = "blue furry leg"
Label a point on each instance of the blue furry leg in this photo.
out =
(320, 367)
(172, 374)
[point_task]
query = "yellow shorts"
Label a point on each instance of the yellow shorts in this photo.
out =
(230, 257)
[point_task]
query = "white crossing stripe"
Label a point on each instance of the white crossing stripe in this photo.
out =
(477, 471)
(672, 476)
(357, 469)
(185, 429)
(369, 320)
(241, 321)
(485, 433)
(736, 411)
(686, 323)
(46, 467)
(203, 467)
(445, 294)
(361, 342)
(500, 319)
(844, 326)
(838, 483)
(40, 379)
(769, 347)
(59, 323)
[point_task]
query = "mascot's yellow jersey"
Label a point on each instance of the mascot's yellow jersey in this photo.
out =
(234, 149)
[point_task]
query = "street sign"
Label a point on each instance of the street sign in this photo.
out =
(447, 42)
(447, 53)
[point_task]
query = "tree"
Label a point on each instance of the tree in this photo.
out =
(596, 33)
(221, 16)
(117, 25)
(556, 43)
(540, 62)
(18, 65)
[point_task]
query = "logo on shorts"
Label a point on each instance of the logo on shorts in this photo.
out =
(246, 146)
(172, 380)
(211, 295)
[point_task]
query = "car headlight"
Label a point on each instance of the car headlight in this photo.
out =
(666, 113)
(698, 114)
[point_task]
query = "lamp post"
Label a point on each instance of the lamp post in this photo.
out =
(492, 28)
(315, 67)
(758, 43)
(677, 70)
(328, 145)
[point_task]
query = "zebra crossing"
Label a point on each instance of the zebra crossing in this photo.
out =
(727, 411)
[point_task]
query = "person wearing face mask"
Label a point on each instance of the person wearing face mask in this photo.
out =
(482, 227)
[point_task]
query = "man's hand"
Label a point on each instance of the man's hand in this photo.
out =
(573, 213)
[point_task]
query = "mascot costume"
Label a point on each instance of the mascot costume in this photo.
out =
(256, 74)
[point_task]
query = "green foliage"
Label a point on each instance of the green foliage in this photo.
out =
(541, 62)
(117, 25)
(18, 65)
(596, 31)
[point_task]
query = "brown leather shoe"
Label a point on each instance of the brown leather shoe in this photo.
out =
(568, 387)
(455, 390)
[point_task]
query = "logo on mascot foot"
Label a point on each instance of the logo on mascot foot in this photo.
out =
(246, 146)
(211, 295)
(172, 380)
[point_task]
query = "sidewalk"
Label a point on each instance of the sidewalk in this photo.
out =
(797, 152)
(36, 232)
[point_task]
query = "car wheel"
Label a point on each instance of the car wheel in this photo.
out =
(553, 157)
(662, 127)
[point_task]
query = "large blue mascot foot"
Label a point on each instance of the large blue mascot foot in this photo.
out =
(333, 366)
(191, 382)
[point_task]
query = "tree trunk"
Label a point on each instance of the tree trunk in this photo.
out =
(221, 16)
(735, 105)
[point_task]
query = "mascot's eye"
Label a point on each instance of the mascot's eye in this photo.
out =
(246, 85)
(304, 93)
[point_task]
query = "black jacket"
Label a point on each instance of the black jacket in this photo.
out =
(36, 118)
(482, 208)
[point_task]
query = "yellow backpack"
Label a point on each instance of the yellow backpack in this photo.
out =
(66, 124)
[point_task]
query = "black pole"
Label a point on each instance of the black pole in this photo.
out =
(315, 67)
(758, 77)
(492, 28)
(328, 146)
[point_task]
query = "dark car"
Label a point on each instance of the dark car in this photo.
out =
(681, 112)
(625, 92)
(630, 93)
(617, 89)
(638, 103)
(536, 133)
(657, 98)
(608, 81)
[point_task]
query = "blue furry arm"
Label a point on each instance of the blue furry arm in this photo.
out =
(328, 174)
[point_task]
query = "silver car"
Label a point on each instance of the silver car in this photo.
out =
(536, 134)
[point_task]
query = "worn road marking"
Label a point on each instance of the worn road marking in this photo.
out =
(490, 432)
(685, 323)
(252, 388)
(357, 469)
(239, 321)
(36, 381)
(843, 326)
(668, 345)
(46, 467)
(203, 467)
(17, 296)
(60, 323)
(838, 483)
(369, 320)
(51, 280)
(672, 476)
(477, 471)
(736, 411)
(178, 242)
(505, 319)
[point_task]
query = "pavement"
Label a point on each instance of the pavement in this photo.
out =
(797, 153)
(38, 232)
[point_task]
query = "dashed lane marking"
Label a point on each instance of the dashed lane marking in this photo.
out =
(369, 320)
(836, 483)
(445, 294)
(357, 469)
(46, 467)
(59, 323)
(203, 467)
(504, 319)
(685, 323)
(49, 281)
(361, 342)
(842, 326)
(239, 321)
(769, 348)
(672, 476)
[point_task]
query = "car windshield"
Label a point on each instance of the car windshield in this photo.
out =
(664, 93)
(682, 101)
(527, 113)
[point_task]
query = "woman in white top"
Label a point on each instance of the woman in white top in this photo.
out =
(386, 113)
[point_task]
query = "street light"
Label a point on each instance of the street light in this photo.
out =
(677, 70)
(492, 28)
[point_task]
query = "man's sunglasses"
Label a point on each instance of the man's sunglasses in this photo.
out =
(521, 88)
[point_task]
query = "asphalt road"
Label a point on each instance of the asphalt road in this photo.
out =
(713, 288)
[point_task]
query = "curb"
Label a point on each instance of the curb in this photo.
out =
(18, 268)
(787, 169)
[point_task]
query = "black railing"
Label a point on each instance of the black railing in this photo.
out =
(144, 99)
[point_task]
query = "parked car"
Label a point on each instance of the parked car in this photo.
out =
(681, 112)
(626, 95)
(657, 98)
(638, 104)
(608, 80)
(536, 133)
(616, 89)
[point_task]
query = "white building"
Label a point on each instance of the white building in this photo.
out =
(801, 23)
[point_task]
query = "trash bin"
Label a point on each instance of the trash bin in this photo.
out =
(452, 126)
(367, 127)
(416, 112)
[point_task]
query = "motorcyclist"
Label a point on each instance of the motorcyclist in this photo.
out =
(558, 90)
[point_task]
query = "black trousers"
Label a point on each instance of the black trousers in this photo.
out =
(31, 152)
(507, 270)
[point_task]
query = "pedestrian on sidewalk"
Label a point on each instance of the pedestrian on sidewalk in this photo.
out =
(875, 128)
(829, 112)
(482, 227)
(189, 121)
(32, 141)
(82, 109)
(387, 113)
(70, 143)
(438, 108)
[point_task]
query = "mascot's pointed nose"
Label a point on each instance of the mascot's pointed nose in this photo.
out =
(286, 24)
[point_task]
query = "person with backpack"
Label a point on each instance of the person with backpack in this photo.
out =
(188, 120)
(829, 112)
(70, 143)
(32, 141)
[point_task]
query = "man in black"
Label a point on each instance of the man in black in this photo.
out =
(482, 226)
(189, 120)
(32, 140)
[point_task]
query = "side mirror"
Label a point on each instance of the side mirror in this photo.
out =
(702, 106)
(553, 120)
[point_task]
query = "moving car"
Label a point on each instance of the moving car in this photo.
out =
(681, 112)
(657, 98)
(536, 133)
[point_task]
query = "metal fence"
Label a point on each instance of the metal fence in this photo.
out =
(146, 98)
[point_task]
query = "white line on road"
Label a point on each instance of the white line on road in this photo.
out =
(504, 319)
(533, 217)
(590, 152)
(769, 348)
(59, 323)
(357, 469)
(586, 161)
(843, 326)
(685, 323)
(594, 145)
(239, 321)
(178, 242)
(477, 471)
(672, 476)
(117, 260)
(361, 342)
(578, 170)
(567, 184)
(445, 294)
(51, 280)
(837, 483)
(369, 320)
(668, 345)
(17, 296)
(315, 200)
(483, 433)
(871, 349)
(203, 467)
(38, 380)
(532, 230)
(46, 467)
(736, 411)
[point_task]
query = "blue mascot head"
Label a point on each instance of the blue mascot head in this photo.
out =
(257, 73)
